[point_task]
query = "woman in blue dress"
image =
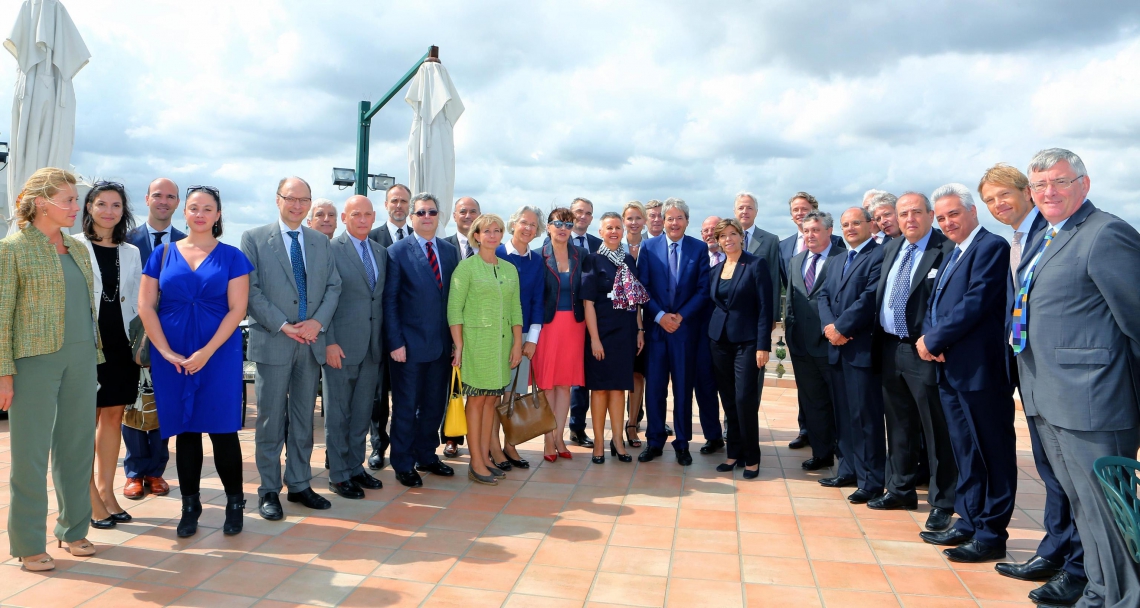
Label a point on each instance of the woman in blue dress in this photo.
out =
(191, 300)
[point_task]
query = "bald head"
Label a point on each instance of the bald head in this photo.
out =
(708, 232)
(466, 211)
(358, 216)
(161, 201)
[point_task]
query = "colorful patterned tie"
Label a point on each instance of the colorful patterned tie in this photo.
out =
(434, 263)
(1020, 309)
(369, 269)
(901, 291)
(809, 278)
(298, 262)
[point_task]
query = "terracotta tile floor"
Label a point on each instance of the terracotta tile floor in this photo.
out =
(568, 533)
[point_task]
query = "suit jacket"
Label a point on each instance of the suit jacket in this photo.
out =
(130, 277)
(1034, 230)
(273, 292)
(745, 316)
(139, 237)
(359, 308)
(766, 245)
(1081, 366)
(967, 323)
(576, 256)
(454, 241)
(692, 293)
(382, 236)
(848, 301)
(415, 308)
(788, 249)
(801, 323)
(937, 248)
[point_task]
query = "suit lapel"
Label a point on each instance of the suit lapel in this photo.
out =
(737, 279)
(1066, 233)
(422, 261)
(964, 258)
(795, 272)
(279, 252)
(354, 259)
(925, 263)
(855, 263)
(889, 254)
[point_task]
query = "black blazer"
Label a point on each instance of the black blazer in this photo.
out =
(787, 252)
(382, 236)
(577, 256)
(848, 301)
(801, 322)
(747, 314)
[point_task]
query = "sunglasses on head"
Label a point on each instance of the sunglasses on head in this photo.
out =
(217, 194)
(423, 212)
(106, 184)
(560, 225)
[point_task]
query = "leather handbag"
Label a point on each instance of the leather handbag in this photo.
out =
(455, 421)
(525, 416)
(140, 344)
(142, 415)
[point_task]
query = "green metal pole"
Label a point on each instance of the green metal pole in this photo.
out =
(362, 133)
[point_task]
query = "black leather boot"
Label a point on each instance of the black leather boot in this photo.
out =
(235, 512)
(191, 510)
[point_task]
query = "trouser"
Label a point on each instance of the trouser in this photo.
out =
(816, 409)
(705, 390)
(671, 356)
(857, 393)
(53, 412)
(227, 461)
(286, 399)
(579, 409)
(980, 425)
(1062, 542)
(419, 400)
(734, 365)
(913, 411)
(1114, 580)
(351, 391)
(147, 453)
(381, 409)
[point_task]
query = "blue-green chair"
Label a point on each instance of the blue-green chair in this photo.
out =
(1118, 479)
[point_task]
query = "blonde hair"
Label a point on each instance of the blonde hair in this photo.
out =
(46, 183)
(481, 223)
(1002, 174)
(633, 205)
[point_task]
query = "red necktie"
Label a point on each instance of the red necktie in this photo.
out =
(434, 263)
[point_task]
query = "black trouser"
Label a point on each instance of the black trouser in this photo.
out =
(227, 461)
(816, 409)
(380, 411)
(734, 364)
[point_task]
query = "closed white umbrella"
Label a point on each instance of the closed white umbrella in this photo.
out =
(431, 147)
(49, 52)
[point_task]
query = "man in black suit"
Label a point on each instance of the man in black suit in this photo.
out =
(392, 231)
(466, 211)
(847, 313)
(965, 333)
(583, 211)
(806, 343)
(910, 385)
(1005, 191)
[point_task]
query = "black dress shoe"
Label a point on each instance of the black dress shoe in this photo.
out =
(712, 445)
(1064, 589)
(668, 430)
(890, 502)
(366, 481)
(103, 524)
(309, 498)
(1036, 569)
(580, 438)
(815, 464)
(346, 489)
(376, 460)
(862, 496)
(974, 551)
(649, 453)
(948, 538)
(800, 442)
(436, 468)
(410, 479)
(683, 458)
(521, 463)
(750, 474)
(837, 482)
(269, 506)
(939, 519)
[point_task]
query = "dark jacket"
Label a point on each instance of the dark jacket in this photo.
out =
(801, 323)
(577, 257)
(848, 301)
(746, 316)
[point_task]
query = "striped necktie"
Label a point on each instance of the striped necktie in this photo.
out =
(1020, 308)
(434, 263)
(809, 278)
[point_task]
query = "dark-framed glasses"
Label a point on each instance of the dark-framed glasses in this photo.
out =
(423, 212)
(293, 199)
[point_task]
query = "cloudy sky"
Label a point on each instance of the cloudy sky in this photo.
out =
(611, 101)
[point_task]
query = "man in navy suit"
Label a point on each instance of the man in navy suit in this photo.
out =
(965, 332)
(847, 315)
(1005, 191)
(418, 341)
(675, 272)
(147, 452)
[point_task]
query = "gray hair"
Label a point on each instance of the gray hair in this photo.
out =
(744, 193)
(925, 201)
(611, 215)
(424, 196)
(517, 215)
(883, 199)
(320, 202)
(871, 193)
(1046, 159)
(822, 217)
(955, 189)
(675, 203)
(652, 204)
(582, 200)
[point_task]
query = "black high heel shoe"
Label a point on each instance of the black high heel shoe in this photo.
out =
(103, 524)
(518, 463)
(633, 443)
(621, 457)
(724, 467)
(598, 459)
(122, 517)
(750, 474)
(502, 466)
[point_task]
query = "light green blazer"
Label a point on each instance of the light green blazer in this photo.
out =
(484, 299)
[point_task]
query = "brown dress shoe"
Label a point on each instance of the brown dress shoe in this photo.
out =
(134, 488)
(157, 486)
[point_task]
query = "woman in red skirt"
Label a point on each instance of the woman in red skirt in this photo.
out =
(558, 360)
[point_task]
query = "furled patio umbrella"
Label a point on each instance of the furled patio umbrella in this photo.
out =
(49, 52)
(431, 148)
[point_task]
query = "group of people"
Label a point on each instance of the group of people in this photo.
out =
(907, 343)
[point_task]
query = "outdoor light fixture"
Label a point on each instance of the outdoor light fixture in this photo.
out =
(380, 182)
(3, 154)
(343, 177)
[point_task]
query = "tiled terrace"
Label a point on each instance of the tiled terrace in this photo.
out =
(563, 534)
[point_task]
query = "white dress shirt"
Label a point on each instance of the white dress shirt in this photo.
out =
(392, 228)
(151, 230)
(535, 328)
(288, 240)
(463, 245)
(887, 314)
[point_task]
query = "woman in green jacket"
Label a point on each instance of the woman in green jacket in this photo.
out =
(49, 347)
(485, 315)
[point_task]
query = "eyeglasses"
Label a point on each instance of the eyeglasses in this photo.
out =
(423, 212)
(212, 190)
(106, 184)
(292, 199)
(1059, 183)
(560, 225)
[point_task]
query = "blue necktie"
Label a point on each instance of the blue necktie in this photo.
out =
(298, 261)
(901, 291)
(369, 269)
(942, 283)
(673, 269)
(847, 264)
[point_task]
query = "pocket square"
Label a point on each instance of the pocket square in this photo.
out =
(933, 273)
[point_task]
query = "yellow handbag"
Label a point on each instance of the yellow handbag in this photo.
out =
(455, 422)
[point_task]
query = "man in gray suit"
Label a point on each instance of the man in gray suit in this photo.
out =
(353, 355)
(1076, 333)
(293, 292)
